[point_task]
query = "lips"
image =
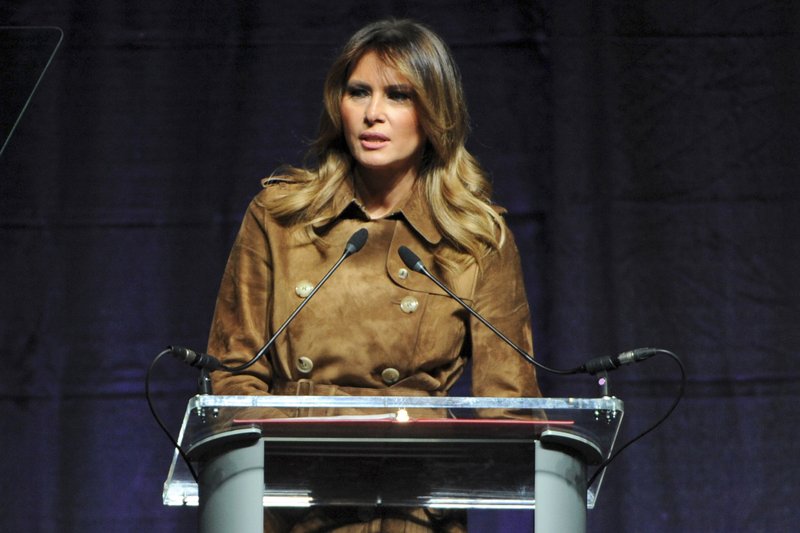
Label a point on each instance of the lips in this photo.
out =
(372, 140)
(373, 136)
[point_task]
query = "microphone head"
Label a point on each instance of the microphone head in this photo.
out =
(357, 241)
(410, 259)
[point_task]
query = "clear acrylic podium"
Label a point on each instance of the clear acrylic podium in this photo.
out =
(408, 451)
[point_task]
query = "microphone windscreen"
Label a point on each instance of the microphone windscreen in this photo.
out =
(356, 241)
(410, 259)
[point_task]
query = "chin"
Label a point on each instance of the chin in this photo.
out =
(374, 163)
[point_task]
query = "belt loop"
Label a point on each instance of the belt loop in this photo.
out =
(305, 387)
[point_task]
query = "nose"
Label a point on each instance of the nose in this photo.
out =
(374, 111)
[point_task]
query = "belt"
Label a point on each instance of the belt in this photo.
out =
(307, 387)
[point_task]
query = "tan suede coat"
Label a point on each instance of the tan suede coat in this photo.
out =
(375, 327)
(357, 326)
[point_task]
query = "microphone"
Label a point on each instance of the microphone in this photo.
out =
(413, 262)
(356, 242)
(205, 361)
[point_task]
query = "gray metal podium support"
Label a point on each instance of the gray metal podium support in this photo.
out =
(232, 484)
(560, 482)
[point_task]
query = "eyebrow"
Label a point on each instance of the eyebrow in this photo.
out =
(390, 87)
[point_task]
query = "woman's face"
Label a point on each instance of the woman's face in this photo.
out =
(380, 120)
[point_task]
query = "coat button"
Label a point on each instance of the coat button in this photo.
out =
(409, 304)
(402, 273)
(304, 365)
(303, 288)
(390, 375)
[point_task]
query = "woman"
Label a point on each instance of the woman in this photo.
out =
(390, 157)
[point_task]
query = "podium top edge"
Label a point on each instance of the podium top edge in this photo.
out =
(390, 402)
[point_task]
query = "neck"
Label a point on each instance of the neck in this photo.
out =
(381, 193)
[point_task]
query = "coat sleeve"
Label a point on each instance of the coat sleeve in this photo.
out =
(497, 369)
(240, 324)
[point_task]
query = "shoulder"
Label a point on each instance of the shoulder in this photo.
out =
(275, 189)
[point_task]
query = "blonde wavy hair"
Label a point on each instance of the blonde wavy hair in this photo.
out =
(455, 185)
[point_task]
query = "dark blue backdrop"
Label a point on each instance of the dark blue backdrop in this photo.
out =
(647, 152)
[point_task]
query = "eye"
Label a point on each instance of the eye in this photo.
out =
(399, 95)
(356, 91)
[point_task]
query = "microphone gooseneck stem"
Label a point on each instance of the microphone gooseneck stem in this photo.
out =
(477, 315)
(354, 244)
(414, 263)
(208, 362)
(264, 349)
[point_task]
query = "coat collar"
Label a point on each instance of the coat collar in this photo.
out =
(415, 209)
